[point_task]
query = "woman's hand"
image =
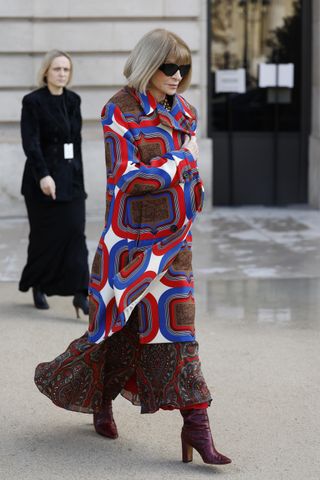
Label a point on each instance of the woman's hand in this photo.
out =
(191, 144)
(48, 186)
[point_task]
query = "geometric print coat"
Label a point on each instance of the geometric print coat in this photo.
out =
(154, 192)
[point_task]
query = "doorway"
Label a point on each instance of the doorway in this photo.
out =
(260, 131)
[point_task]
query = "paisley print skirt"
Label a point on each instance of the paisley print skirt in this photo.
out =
(165, 375)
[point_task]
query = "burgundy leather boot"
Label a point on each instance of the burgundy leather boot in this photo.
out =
(104, 423)
(196, 434)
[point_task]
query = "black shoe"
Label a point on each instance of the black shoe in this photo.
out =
(39, 299)
(80, 300)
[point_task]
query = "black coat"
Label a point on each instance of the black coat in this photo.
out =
(44, 130)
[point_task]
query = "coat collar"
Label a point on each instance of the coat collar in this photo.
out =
(50, 106)
(149, 104)
(181, 117)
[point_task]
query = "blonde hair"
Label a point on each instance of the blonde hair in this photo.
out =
(46, 63)
(153, 50)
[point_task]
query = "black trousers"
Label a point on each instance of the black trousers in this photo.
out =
(57, 252)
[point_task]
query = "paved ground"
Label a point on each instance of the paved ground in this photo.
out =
(258, 320)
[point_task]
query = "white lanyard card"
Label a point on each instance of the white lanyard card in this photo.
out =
(68, 150)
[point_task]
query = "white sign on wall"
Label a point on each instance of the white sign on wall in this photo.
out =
(231, 81)
(273, 75)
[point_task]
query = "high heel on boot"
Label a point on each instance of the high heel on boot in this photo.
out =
(39, 299)
(104, 423)
(80, 301)
(187, 451)
(196, 434)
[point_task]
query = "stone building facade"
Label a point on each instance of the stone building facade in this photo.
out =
(99, 35)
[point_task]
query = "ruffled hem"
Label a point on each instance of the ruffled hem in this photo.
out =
(165, 376)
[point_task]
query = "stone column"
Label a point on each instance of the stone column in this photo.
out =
(314, 155)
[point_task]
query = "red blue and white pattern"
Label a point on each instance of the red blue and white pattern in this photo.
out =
(153, 195)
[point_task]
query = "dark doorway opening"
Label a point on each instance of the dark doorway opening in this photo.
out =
(260, 135)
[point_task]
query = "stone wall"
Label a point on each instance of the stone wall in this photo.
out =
(314, 157)
(99, 35)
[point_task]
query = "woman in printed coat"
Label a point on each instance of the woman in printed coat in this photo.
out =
(141, 337)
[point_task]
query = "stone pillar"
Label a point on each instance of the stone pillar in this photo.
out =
(314, 155)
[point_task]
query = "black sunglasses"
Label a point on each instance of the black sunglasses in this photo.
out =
(170, 69)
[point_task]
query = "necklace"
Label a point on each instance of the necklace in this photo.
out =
(166, 104)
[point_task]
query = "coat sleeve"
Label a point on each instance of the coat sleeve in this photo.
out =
(78, 120)
(30, 133)
(125, 168)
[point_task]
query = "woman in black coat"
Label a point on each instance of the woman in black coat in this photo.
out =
(53, 187)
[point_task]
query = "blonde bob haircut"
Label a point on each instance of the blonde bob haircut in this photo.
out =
(45, 65)
(154, 49)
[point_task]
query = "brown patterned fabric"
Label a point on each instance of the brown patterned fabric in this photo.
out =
(183, 261)
(108, 157)
(184, 314)
(108, 203)
(96, 265)
(148, 210)
(126, 103)
(86, 374)
(149, 151)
